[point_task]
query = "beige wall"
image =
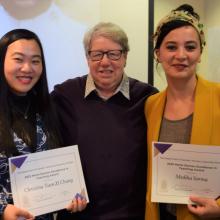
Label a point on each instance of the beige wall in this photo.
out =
(212, 16)
(132, 16)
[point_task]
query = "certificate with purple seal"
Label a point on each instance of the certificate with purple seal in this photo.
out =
(181, 170)
(47, 181)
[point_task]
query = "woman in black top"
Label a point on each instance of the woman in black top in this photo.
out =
(27, 118)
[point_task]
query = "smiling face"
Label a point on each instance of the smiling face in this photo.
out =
(23, 65)
(180, 53)
(106, 73)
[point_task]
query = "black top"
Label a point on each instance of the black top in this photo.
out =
(23, 124)
(23, 119)
(112, 143)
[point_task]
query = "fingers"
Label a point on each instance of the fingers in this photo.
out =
(23, 218)
(198, 200)
(193, 208)
(81, 204)
(199, 206)
(25, 214)
(204, 208)
(12, 212)
(78, 204)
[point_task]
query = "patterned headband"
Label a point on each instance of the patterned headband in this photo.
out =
(182, 16)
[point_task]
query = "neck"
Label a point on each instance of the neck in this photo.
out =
(105, 94)
(180, 99)
(21, 104)
(181, 89)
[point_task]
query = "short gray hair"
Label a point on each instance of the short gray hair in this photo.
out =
(107, 30)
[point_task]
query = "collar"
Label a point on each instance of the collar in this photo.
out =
(123, 87)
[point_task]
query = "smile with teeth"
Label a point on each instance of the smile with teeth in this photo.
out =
(24, 79)
(105, 71)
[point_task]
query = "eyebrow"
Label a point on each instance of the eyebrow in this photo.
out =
(21, 54)
(174, 42)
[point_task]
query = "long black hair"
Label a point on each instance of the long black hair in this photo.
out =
(40, 93)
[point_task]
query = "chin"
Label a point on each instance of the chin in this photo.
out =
(22, 92)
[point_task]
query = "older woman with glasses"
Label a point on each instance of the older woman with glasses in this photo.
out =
(103, 112)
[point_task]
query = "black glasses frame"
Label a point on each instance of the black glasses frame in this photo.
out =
(100, 54)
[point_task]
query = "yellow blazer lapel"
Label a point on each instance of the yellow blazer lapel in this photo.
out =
(155, 114)
(202, 116)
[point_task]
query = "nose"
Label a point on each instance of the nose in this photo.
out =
(26, 67)
(181, 54)
(105, 60)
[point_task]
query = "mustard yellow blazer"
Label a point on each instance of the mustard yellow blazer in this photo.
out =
(205, 130)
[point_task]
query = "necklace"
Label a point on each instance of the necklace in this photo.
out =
(25, 114)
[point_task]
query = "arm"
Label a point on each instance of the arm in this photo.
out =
(5, 196)
(3, 204)
(7, 210)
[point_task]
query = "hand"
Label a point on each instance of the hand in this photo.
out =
(78, 204)
(12, 212)
(204, 208)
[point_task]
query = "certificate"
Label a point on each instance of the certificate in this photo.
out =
(181, 170)
(46, 181)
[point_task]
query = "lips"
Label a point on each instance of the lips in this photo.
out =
(25, 79)
(106, 71)
(180, 66)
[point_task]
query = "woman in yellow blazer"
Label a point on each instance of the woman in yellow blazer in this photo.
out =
(189, 102)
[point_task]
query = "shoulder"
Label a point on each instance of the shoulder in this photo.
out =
(158, 97)
(207, 85)
(70, 86)
(139, 88)
(155, 102)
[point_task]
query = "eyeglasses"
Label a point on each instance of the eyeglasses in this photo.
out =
(97, 55)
